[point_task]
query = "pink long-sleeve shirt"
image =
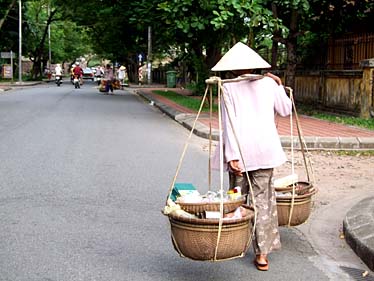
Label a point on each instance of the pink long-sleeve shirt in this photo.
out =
(252, 106)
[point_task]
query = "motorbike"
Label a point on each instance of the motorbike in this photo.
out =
(98, 79)
(58, 80)
(76, 82)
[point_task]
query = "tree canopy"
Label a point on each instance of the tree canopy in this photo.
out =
(200, 31)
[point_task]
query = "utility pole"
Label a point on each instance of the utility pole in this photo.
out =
(149, 58)
(20, 42)
(49, 39)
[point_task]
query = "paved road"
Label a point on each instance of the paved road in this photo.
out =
(84, 177)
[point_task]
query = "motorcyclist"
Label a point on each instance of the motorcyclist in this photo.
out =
(78, 72)
(58, 73)
(58, 70)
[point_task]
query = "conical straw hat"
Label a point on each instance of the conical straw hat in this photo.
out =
(240, 57)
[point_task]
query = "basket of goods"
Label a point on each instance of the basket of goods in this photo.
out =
(294, 197)
(298, 207)
(102, 85)
(206, 239)
(200, 231)
(116, 84)
(294, 202)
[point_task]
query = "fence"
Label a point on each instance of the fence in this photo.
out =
(343, 91)
(348, 51)
(159, 76)
(338, 91)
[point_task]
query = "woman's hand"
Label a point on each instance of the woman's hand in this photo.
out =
(235, 168)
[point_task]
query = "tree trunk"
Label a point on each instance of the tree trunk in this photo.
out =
(291, 65)
(39, 52)
(7, 12)
(198, 60)
(277, 38)
(291, 51)
(37, 65)
(251, 38)
(213, 55)
(274, 54)
(277, 34)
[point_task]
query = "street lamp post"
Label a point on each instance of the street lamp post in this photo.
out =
(49, 40)
(149, 57)
(20, 42)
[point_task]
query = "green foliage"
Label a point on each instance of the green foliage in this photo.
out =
(69, 42)
(337, 17)
(357, 153)
(192, 103)
(203, 29)
(316, 21)
(347, 120)
(9, 26)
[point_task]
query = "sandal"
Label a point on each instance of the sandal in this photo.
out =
(261, 266)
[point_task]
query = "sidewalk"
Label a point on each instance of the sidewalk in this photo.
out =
(318, 134)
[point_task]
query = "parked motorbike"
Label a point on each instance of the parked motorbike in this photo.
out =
(58, 80)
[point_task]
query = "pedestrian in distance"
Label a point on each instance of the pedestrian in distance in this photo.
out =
(72, 73)
(140, 74)
(121, 75)
(251, 144)
(108, 78)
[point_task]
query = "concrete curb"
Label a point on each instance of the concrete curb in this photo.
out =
(9, 86)
(312, 143)
(2, 89)
(330, 143)
(358, 227)
(21, 84)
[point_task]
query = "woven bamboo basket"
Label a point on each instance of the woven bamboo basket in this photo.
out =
(300, 213)
(197, 238)
(198, 208)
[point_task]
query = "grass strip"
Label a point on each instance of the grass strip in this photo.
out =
(341, 119)
(192, 103)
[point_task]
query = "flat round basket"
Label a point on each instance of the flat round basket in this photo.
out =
(297, 197)
(301, 187)
(197, 208)
(197, 238)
